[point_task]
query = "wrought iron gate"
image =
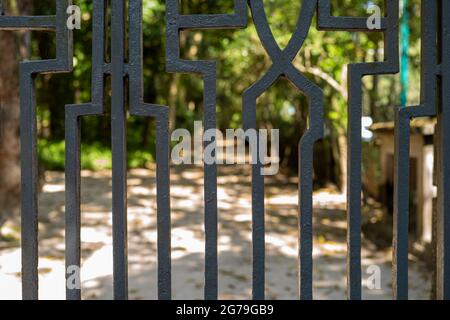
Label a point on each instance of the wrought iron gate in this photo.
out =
(125, 71)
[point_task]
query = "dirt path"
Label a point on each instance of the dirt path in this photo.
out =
(188, 241)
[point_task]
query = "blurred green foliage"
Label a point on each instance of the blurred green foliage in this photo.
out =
(94, 156)
(241, 61)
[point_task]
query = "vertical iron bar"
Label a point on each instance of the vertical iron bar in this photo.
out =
(29, 177)
(306, 178)
(163, 205)
(258, 228)
(306, 216)
(427, 107)
(72, 135)
(210, 192)
(402, 143)
(73, 215)
(161, 114)
(258, 219)
(354, 184)
(119, 151)
(390, 65)
(28, 133)
(443, 216)
(175, 23)
(401, 205)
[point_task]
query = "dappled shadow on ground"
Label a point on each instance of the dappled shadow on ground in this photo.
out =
(234, 194)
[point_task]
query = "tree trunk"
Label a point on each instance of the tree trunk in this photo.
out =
(342, 144)
(13, 47)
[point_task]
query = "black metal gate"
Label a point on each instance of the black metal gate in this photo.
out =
(125, 73)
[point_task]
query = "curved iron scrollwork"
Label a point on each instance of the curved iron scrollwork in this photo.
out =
(125, 72)
(282, 66)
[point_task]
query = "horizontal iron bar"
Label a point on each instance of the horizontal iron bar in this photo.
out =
(43, 23)
(206, 21)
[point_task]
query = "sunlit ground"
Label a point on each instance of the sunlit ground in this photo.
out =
(188, 240)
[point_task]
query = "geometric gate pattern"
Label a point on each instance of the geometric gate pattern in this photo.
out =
(125, 69)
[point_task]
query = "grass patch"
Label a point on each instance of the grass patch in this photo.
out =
(93, 156)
